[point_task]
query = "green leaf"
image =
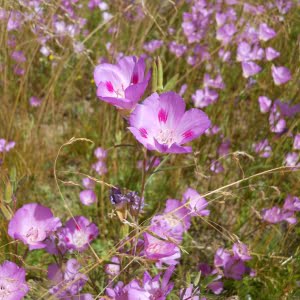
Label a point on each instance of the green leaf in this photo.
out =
(171, 83)
(8, 193)
(160, 75)
(154, 77)
(6, 212)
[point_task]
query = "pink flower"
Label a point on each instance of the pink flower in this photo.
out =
(205, 97)
(196, 203)
(271, 54)
(264, 104)
(12, 281)
(35, 101)
(88, 183)
(250, 68)
(123, 84)
(265, 32)
(32, 224)
(162, 124)
(296, 144)
(241, 251)
(87, 197)
(78, 233)
(281, 75)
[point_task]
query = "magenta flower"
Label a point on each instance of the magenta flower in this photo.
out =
(190, 293)
(216, 287)
(250, 68)
(296, 144)
(221, 257)
(100, 153)
(123, 84)
(153, 45)
(265, 32)
(216, 166)
(262, 148)
(241, 251)
(205, 97)
(88, 183)
(235, 268)
(271, 54)
(156, 249)
(35, 101)
(291, 203)
(150, 288)
(6, 146)
(12, 281)
(216, 83)
(276, 215)
(87, 197)
(171, 225)
(162, 124)
(292, 160)
(18, 56)
(264, 104)
(195, 203)
(78, 233)
(225, 33)
(32, 224)
(100, 167)
(113, 268)
(177, 49)
(68, 282)
(281, 75)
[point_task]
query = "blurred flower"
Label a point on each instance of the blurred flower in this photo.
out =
(264, 104)
(216, 287)
(276, 215)
(271, 54)
(6, 146)
(35, 101)
(162, 124)
(78, 233)
(216, 83)
(123, 84)
(183, 89)
(32, 224)
(153, 45)
(250, 68)
(177, 49)
(281, 75)
(156, 249)
(296, 144)
(241, 251)
(190, 293)
(263, 148)
(113, 269)
(291, 203)
(87, 197)
(265, 32)
(100, 167)
(68, 282)
(12, 281)
(88, 183)
(100, 153)
(205, 97)
(225, 33)
(18, 56)
(292, 159)
(196, 203)
(216, 166)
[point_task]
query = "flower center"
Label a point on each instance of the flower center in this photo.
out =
(32, 234)
(4, 292)
(166, 136)
(79, 239)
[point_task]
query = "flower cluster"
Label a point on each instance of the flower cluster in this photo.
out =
(286, 213)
